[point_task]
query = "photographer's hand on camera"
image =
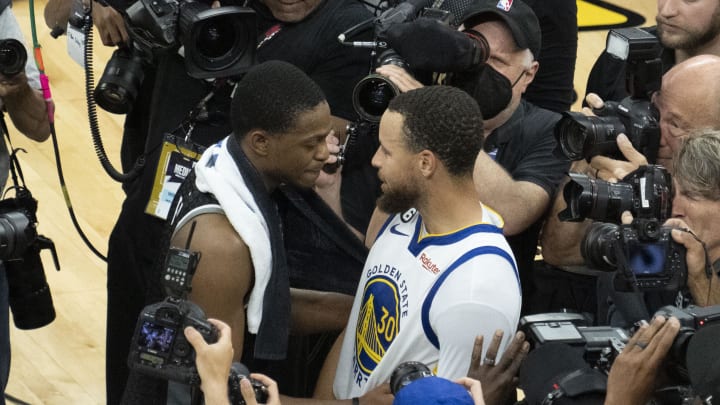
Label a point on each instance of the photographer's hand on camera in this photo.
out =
(110, 25)
(213, 362)
(248, 392)
(634, 373)
(498, 376)
(400, 77)
(704, 287)
(26, 106)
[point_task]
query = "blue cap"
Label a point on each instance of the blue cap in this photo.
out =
(433, 391)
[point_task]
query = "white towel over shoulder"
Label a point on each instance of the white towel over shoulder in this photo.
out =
(217, 173)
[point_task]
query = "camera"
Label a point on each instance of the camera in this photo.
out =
(646, 192)
(238, 371)
(373, 93)
(643, 253)
(159, 347)
(582, 137)
(406, 373)
(599, 345)
(20, 246)
(13, 57)
(216, 42)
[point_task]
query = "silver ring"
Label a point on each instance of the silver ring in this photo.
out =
(641, 345)
(488, 361)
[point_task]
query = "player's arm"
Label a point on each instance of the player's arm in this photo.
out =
(224, 274)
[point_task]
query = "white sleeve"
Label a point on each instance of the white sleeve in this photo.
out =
(9, 28)
(478, 298)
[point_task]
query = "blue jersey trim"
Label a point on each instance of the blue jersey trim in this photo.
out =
(425, 314)
(416, 245)
(382, 228)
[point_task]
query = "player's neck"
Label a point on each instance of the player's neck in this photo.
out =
(451, 208)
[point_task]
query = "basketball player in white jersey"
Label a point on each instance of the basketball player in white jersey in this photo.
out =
(440, 271)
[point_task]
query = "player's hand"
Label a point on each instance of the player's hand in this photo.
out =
(498, 377)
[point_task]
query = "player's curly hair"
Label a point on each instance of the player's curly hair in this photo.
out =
(270, 96)
(444, 120)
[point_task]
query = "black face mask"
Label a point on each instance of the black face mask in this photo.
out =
(491, 90)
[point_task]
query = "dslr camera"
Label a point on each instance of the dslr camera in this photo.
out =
(238, 371)
(582, 137)
(643, 252)
(406, 373)
(159, 347)
(599, 345)
(13, 57)
(373, 93)
(216, 42)
(20, 246)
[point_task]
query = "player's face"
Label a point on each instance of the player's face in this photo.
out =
(291, 10)
(300, 153)
(396, 166)
(688, 24)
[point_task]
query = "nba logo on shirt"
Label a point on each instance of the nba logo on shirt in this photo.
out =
(504, 4)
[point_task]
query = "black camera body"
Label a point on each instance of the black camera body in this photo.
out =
(20, 246)
(582, 137)
(646, 192)
(216, 42)
(406, 373)
(238, 371)
(599, 345)
(373, 93)
(13, 57)
(644, 254)
(159, 347)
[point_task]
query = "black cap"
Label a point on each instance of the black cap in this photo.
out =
(517, 15)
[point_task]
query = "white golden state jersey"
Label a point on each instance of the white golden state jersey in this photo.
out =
(425, 298)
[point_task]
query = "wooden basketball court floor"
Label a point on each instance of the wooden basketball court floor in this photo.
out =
(63, 363)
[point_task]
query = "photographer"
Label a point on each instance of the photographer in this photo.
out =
(685, 29)
(696, 172)
(21, 97)
(516, 173)
(695, 79)
(213, 362)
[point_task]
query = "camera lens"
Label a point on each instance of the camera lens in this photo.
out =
(372, 96)
(119, 85)
(219, 42)
(12, 57)
(582, 137)
(406, 373)
(597, 246)
(595, 199)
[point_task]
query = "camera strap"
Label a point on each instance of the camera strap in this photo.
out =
(9, 164)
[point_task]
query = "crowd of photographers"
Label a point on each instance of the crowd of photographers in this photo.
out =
(280, 146)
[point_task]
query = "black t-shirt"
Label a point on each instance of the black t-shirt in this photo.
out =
(524, 147)
(607, 77)
(312, 46)
(552, 87)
